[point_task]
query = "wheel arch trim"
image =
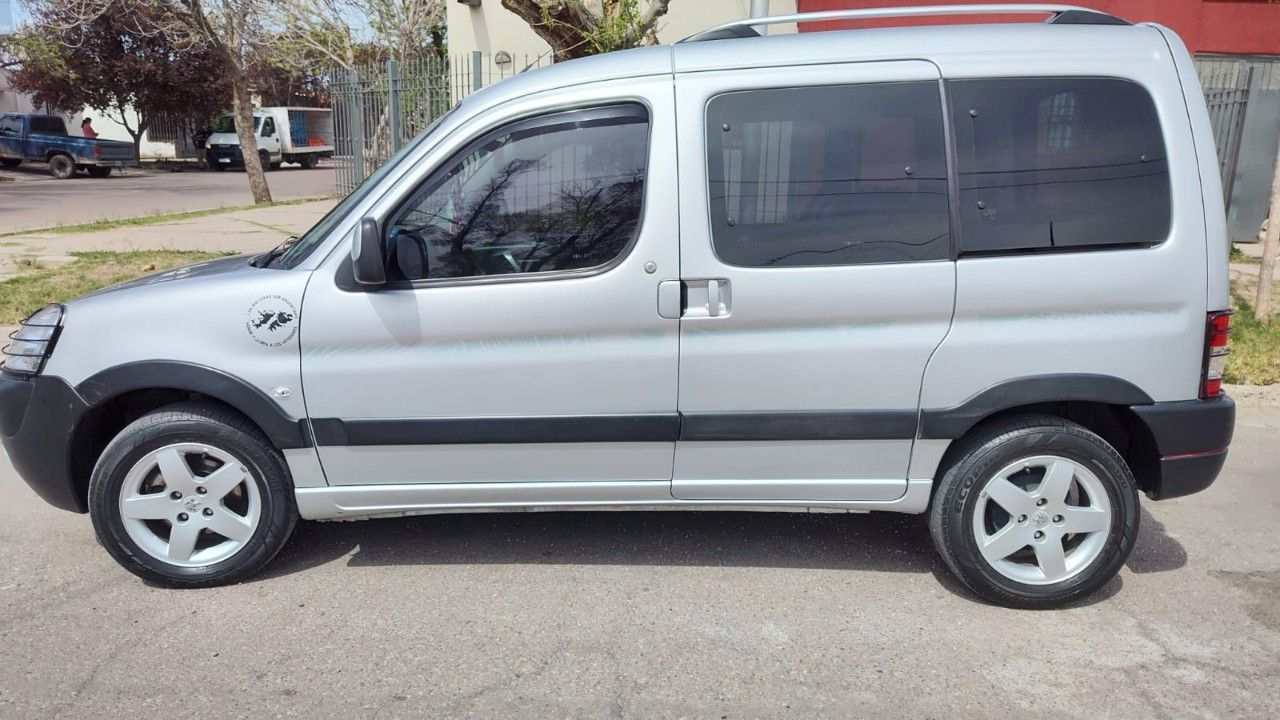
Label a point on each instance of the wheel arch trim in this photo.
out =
(953, 422)
(283, 430)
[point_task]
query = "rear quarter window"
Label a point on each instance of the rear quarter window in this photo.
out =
(1058, 163)
(47, 125)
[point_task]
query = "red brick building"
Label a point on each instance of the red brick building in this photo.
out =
(1234, 27)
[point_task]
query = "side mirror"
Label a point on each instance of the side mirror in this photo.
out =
(367, 261)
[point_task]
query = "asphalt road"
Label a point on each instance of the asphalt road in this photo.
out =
(644, 615)
(36, 200)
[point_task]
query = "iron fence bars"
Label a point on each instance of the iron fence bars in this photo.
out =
(379, 107)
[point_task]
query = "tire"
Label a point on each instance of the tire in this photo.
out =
(99, 172)
(265, 159)
(10, 162)
(993, 496)
(62, 167)
(254, 497)
(308, 161)
(214, 164)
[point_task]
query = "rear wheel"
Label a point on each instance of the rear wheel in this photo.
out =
(191, 495)
(1035, 512)
(308, 161)
(62, 166)
(99, 172)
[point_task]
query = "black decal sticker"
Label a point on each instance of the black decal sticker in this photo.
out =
(272, 321)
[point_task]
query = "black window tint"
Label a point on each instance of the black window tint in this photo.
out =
(44, 125)
(562, 192)
(1058, 162)
(828, 175)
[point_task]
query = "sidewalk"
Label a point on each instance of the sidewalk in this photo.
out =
(239, 231)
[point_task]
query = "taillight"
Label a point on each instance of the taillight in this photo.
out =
(97, 151)
(1216, 337)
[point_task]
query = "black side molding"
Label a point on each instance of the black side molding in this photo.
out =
(951, 423)
(835, 425)
(746, 427)
(495, 430)
(283, 431)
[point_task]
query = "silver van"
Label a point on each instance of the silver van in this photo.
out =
(974, 271)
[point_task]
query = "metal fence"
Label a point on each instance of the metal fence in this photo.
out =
(1243, 97)
(378, 108)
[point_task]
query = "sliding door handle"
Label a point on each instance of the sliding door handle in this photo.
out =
(709, 297)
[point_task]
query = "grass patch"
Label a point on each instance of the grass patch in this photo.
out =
(1238, 256)
(156, 219)
(1255, 347)
(89, 271)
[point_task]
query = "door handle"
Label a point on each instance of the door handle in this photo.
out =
(709, 297)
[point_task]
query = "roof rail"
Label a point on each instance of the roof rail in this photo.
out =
(1058, 15)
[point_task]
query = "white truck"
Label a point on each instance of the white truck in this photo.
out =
(300, 135)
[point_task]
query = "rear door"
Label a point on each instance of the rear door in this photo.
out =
(817, 277)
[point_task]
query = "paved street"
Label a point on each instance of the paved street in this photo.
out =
(651, 615)
(34, 199)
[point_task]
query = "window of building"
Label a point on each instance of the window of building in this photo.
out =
(1049, 163)
(834, 175)
(559, 192)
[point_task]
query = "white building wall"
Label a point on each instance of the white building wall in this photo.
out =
(490, 27)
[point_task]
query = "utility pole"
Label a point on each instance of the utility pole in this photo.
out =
(1270, 252)
(759, 8)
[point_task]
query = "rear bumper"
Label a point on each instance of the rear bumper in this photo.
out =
(1191, 439)
(37, 420)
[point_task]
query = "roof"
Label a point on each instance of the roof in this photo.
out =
(947, 46)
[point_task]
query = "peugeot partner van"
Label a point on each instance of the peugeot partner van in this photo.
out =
(974, 271)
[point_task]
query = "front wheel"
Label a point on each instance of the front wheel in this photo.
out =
(191, 495)
(1035, 512)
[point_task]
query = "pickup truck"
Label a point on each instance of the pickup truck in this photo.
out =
(44, 138)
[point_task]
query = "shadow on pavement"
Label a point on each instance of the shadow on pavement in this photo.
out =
(1155, 550)
(878, 542)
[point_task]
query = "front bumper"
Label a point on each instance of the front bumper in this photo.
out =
(225, 155)
(1191, 439)
(37, 421)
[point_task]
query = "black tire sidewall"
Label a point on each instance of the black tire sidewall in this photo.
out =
(1073, 443)
(59, 164)
(274, 488)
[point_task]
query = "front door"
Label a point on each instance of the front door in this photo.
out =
(817, 277)
(518, 344)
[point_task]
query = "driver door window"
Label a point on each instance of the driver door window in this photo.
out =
(559, 192)
(268, 127)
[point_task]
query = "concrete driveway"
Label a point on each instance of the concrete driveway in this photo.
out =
(36, 200)
(645, 615)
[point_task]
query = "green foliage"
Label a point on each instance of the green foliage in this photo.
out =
(1255, 347)
(89, 271)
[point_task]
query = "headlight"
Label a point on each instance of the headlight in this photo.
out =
(33, 341)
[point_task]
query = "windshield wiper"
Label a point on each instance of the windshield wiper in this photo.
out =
(267, 258)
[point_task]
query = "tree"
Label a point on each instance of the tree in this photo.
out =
(322, 31)
(573, 28)
(1270, 253)
(136, 80)
(230, 29)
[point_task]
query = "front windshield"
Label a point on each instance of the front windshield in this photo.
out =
(318, 232)
(227, 123)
